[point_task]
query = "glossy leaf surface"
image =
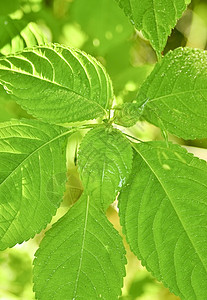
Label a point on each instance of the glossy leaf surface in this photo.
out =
(175, 94)
(57, 84)
(105, 159)
(163, 211)
(32, 178)
(155, 18)
(81, 257)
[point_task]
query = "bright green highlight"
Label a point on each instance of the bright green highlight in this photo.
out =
(18, 34)
(163, 213)
(81, 257)
(105, 160)
(175, 93)
(32, 177)
(57, 84)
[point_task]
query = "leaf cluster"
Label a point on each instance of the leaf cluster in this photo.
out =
(161, 188)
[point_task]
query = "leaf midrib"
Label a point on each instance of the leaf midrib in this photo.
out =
(173, 94)
(82, 248)
(156, 23)
(36, 150)
(171, 204)
(2, 82)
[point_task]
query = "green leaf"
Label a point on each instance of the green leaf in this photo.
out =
(163, 210)
(154, 18)
(15, 35)
(81, 257)
(57, 84)
(127, 114)
(104, 160)
(175, 93)
(32, 178)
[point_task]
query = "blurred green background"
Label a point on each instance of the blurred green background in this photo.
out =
(100, 28)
